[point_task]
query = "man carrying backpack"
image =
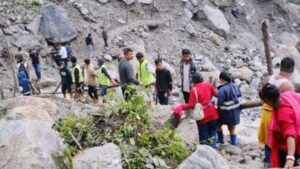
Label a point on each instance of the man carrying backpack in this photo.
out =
(25, 84)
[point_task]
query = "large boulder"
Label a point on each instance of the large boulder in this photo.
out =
(56, 25)
(204, 158)
(26, 144)
(161, 114)
(214, 19)
(31, 108)
(105, 157)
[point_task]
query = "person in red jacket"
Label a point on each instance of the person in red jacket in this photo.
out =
(284, 131)
(206, 127)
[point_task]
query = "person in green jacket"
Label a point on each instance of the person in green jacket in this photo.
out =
(105, 79)
(145, 71)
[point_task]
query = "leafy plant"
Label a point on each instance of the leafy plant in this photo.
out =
(129, 125)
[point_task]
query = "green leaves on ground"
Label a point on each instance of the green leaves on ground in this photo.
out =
(127, 124)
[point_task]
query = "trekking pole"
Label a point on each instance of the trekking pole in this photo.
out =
(13, 63)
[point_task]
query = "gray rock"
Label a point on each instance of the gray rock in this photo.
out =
(105, 157)
(194, 2)
(34, 25)
(31, 108)
(161, 114)
(27, 41)
(222, 3)
(108, 57)
(204, 158)
(214, 19)
(13, 30)
(231, 149)
(191, 30)
(148, 2)
(102, 1)
(188, 13)
(26, 144)
(56, 25)
(129, 2)
(238, 63)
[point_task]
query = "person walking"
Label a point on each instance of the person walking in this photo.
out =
(280, 80)
(145, 71)
(163, 83)
(104, 36)
(90, 45)
(63, 55)
(187, 69)
(78, 79)
(205, 92)
(92, 81)
(36, 63)
(229, 97)
(55, 54)
(284, 134)
(104, 78)
(21, 56)
(25, 84)
(126, 73)
(66, 79)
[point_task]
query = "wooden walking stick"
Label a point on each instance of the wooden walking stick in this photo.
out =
(264, 29)
(12, 60)
(58, 86)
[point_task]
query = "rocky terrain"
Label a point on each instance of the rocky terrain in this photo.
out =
(222, 34)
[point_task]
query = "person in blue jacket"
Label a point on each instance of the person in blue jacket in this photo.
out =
(25, 84)
(229, 97)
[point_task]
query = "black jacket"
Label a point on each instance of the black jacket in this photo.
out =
(66, 76)
(163, 80)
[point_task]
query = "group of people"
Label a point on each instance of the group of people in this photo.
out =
(22, 60)
(279, 129)
(195, 90)
(280, 122)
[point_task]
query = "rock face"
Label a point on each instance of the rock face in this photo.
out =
(205, 157)
(34, 26)
(105, 157)
(214, 19)
(25, 144)
(56, 26)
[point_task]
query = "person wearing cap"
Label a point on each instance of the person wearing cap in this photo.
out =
(187, 69)
(78, 79)
(66, 79)
(104, 78)
(145, 71)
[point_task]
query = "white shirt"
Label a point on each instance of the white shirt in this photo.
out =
(63, 52)
(186, 77)
(151, 68)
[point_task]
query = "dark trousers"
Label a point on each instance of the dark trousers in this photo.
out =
(163, 98)
(93, 92)
(103, 90)
(65, 61)
(186, 96)
(207, 133)
(267, 158)
(37, 69)
(105, 42)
